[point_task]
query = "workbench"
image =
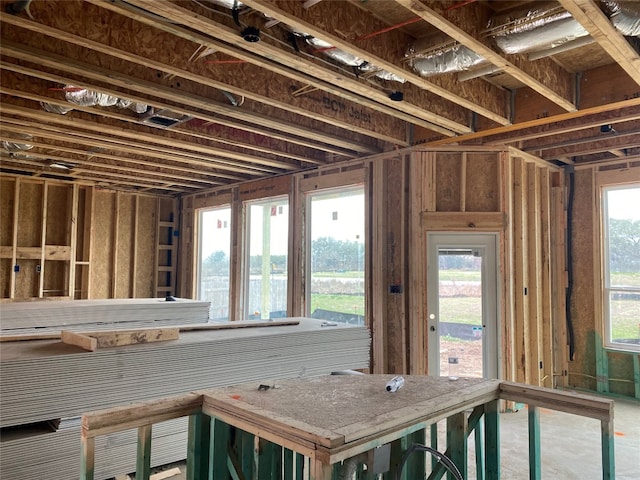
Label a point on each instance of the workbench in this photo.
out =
(334, 418)
(314, 427)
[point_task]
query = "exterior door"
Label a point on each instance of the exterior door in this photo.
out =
(462, 304)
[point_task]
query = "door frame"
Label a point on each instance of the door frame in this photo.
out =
(489, 244)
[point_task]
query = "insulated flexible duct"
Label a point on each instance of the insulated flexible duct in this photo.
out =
(542, 26)
(625, 16)
(439, 54)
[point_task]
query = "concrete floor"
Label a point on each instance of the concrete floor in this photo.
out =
(570, 445)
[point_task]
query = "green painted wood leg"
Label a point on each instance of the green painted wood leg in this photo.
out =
(287, 465)
(434, 443)
(247, 460)
(87, 457)
(415, 466)
(478, 440)
(143, 458)
(457, 442)
(492, 439)
(198, 447)
(534, 443)
(269, 463)
(608, 455)
(218, 450)
(299, 466)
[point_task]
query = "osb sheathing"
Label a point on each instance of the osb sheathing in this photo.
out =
(585, 318)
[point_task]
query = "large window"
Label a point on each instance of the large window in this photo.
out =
(621, 207)
(267, 242)
(336, 272)
(214, 260)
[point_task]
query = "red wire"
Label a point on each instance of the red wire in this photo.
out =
(224, 62)
(388, 29)
(458, 5)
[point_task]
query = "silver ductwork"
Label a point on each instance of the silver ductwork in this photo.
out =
(541, 26)
(348, 59)
(91, 98)
(438, 54)
(625, 16)
(13, 147)
(546, 25)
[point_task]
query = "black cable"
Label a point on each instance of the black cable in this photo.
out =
(569, 289)
(441, 457)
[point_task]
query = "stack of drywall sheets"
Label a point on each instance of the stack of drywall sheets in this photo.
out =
(36, 317)
(45, 379)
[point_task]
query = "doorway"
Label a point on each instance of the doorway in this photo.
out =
(462, 304)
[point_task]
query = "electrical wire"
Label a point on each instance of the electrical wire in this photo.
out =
(441, 457)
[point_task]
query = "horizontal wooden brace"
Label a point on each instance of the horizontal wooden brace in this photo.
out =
(464, 220)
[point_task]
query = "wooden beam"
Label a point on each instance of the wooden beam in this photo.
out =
(240, 90)
(431, 16)
(116, 338)
(187, 137)
(308, 74)
(144, 87)
(550, 125)
(482, 221)
(347, 46)
(591, 17)
(178, 14)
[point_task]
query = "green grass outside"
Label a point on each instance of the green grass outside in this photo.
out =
(354, 274)
(468, 310)
(353, 304)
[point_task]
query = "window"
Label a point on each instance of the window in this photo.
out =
(336, 255)
(621, 218)
(267, 242)
(214, 259)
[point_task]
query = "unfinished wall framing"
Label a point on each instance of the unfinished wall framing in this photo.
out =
(76, 241)
(415, 191)
(594, 366)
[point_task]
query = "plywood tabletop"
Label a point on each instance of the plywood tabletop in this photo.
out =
(334, 410)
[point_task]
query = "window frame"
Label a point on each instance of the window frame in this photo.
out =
(199, 231)
(246, 253)
(607, 288)
(308, 196)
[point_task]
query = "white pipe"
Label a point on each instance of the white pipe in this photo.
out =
(577, 43)
(480, 72)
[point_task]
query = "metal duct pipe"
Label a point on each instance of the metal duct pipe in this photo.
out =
(438, 54)
(625, 16)
(543, 26)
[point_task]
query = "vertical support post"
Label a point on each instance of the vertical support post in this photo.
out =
(479, 448)
(608, 455)
(602, 366)
(218, 448)
(535, 469)
(269, 461)
(636, 374)
(457, 442)
(416, 463)
(87, 457)
(73, 241)
(320, 471)
(247, 464)
(143, 458)
(288, 466)
(43, 237)
(434, 443)
(492, 439)
(198, 446)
